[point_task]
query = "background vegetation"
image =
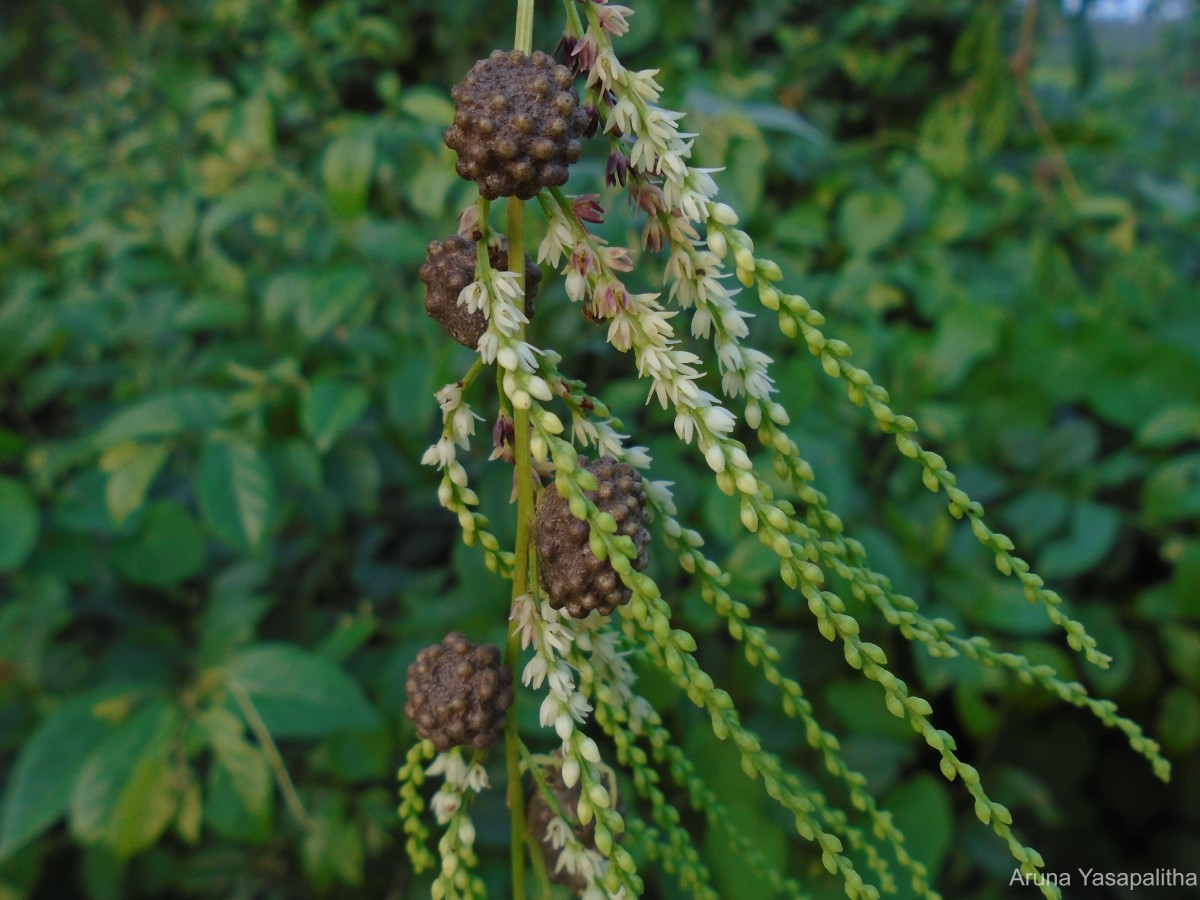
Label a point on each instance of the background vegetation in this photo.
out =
(219, 552)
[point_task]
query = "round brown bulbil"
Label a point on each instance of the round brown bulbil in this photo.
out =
(571, 575)
(517, 124)
(448, 268)
(459, 693)
(539, 813)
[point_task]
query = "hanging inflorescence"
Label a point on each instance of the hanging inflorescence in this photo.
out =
(587, 605)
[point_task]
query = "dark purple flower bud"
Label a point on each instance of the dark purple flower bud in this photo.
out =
(503, 433)
(566, 44)
(617, 169)
(585, 52)
(587, 207)
(649, 197)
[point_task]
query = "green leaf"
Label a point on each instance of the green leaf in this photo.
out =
(239, 783)
(39, 786)
(20, 521)
(346, 173)
(177, 222)
(860, 706)
(1170, 427)
(1036, 515)
(1002, 606)
(298, 694)
(745, 808)
(1070, 446)
(131, 468)
(868, 222)
(330, 408)
(168, 548)
(211, 314)
(1093, 531)
(428, 105)
(923, 814)
(1183, 652)
(331, 299)
(351, 631)
(124, 796)
(236, 492)
(1172, 491)
(191, 809)
(354, 475)
(965, 335)
(164, 415)
(333, 849)
(357, 756)
(29, 622)
(1179, 721)
(233, 610)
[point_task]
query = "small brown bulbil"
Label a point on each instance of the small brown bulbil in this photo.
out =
(571, 575)
(517, 124)
(448, 268)
(458, 694)
(538, 815)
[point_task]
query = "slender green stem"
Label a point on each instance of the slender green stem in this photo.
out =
(540, 872)
(524, 38)
(271, 752)
(524, 476)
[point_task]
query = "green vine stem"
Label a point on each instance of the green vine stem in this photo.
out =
(520, 580)
(523, 41)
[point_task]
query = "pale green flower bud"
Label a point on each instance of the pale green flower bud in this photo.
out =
(723, 213)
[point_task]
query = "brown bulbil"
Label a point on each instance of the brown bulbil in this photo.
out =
(517, 124)
(458, 694)
(538, 815)
(448, 268)
(571, 575)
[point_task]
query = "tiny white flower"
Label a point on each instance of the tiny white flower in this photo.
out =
(474, 297)
(489, 346)
(535, 672)
(445, 805)
(578, 707)
(466, 832)
(715, 458)
(718, 419)
(477, 778)
(589, 751)
(551, 711)
(563, 724)
(685, 425)
(558, 832)
(637, 457)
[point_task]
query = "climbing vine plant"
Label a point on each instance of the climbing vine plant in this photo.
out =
(589, 514)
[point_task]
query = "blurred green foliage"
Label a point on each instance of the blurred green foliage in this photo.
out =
(219, 552)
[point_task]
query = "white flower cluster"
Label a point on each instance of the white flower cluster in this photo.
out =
(578, 860)
(638, 322)
(697, 279)
(499, 296)
(555, 639)
(455, 493)
(462, 780)
(458, 778)
(695, 274)
(559, 241)
(458, 427)
(564, 705)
